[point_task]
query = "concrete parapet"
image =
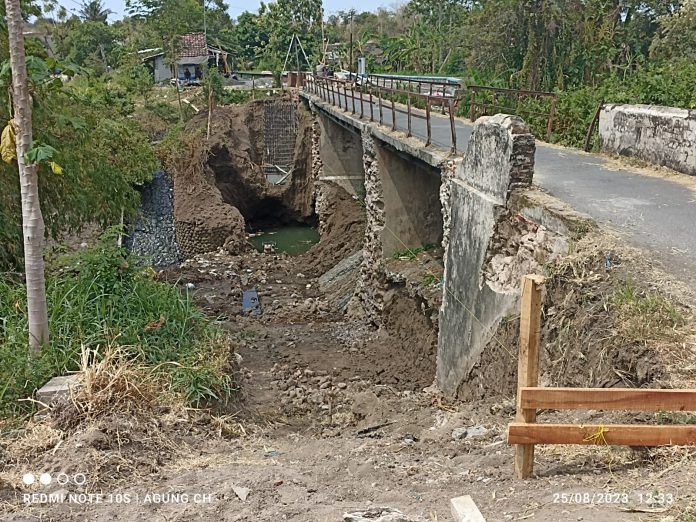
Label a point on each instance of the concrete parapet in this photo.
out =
(661, 135)
(499, 159)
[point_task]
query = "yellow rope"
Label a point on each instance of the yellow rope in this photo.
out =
(598, 436)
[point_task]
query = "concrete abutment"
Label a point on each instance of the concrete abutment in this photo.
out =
(480, 209)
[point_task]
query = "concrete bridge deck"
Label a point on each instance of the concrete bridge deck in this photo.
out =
(652, 211)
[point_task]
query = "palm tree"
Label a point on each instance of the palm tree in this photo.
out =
(32, 219)
(94, 11)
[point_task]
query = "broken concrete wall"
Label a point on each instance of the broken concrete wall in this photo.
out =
(662, 135)
(499, 159)
(372, 283)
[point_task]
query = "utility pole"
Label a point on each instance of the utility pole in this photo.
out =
(205, 22)
(350, 67)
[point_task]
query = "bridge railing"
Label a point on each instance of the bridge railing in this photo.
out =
(377, 95)
(509, 101)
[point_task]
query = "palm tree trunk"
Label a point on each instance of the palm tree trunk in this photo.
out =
(32, 219)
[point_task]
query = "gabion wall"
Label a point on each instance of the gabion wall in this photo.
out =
(153, 235)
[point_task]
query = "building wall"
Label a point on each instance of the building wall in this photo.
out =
(162, 71)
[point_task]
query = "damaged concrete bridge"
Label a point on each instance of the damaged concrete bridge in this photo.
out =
(432, 179)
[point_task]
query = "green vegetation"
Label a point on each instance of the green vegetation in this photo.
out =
(412, 253)
(99, 298)
(644, 316)
(430, 279)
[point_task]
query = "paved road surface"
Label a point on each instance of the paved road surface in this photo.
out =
(653, 212)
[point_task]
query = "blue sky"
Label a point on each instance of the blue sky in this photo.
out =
(239, 6)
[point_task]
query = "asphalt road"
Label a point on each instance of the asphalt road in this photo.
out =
(653, 212)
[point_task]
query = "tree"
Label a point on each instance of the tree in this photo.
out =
(32, 218)
(94, 11)
(286, 18)
(89, 44)
(251, 36)
(677, 36)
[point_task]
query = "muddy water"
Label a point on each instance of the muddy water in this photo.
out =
(294, 239)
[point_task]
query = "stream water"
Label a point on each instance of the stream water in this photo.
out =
(294, 239)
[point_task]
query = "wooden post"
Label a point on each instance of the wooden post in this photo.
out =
(528, 365)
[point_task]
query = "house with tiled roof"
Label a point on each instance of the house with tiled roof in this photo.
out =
(194, 58)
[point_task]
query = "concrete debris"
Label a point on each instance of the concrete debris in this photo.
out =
(464, 510)
(468, 432)
(241, 492)
(381, 515)
(58, 387)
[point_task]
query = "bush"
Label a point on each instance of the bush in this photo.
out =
(100, 297)
(668, 84)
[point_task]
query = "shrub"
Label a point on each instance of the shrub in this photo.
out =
(101, 297)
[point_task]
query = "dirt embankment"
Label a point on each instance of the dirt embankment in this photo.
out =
(609, 318)
(342, 233)
(220, 186)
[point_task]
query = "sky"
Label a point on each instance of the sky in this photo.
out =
(238, 6)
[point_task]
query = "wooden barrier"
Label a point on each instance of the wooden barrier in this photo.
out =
(525, 432)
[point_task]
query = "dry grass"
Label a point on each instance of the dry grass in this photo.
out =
(612, 317)
(112, 381)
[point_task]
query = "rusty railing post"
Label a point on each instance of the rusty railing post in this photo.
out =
(362, 110)
(371, 107)
(393, 111)
(345, 96)
(427, 121)
(552, 115)
(472, 106)
(452, 126)
(408, 134)
(352, 97)
(381, 112)
(338, 92)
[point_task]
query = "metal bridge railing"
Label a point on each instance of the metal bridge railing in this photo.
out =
(508, 100)
(380, 94)
(388, 93)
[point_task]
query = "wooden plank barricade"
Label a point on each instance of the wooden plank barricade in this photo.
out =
(525, 432)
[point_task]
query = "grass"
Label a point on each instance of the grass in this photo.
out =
(412, 253)
(101, 298)
(643, 315)
(247, 333)
(430, 279)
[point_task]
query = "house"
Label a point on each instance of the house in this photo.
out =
(195, 56)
